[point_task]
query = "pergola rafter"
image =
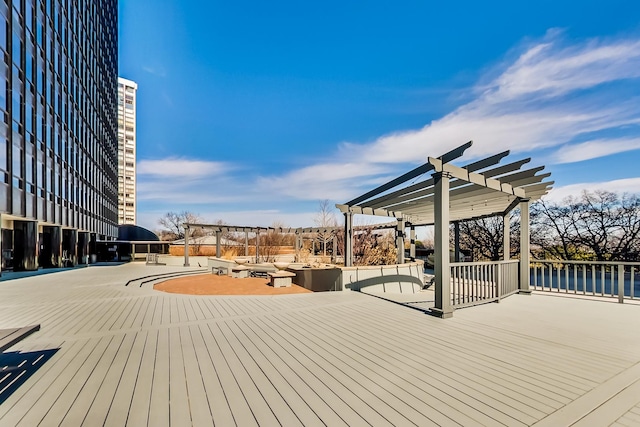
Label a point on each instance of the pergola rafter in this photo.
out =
(480, 189)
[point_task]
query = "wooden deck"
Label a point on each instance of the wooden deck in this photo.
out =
(133, 356)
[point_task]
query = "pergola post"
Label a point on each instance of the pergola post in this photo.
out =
(334, 253)
(524, 247)
(257, 246)
(186, 246)
(456, 241)
(443, 306)
(218, 235)
(348, 239)
(246, 243)
(506, 236)
(412, 236)
(400, 240)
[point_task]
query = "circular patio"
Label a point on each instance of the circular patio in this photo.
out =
(211, 284)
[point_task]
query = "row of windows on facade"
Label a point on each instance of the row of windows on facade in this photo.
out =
(57, 64)
(60, 106)
(60, 64)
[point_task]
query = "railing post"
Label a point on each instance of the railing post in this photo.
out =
(620, 283)
(498, 281)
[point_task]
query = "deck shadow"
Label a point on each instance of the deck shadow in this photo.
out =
(17, 367)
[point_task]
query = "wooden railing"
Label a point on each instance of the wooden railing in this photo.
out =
(474, 283)
(609, 279)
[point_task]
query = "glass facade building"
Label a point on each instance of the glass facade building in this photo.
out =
(58, 132)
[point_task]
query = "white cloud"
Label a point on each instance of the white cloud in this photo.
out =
(545, 69)
(551, 95)
(323, 181)
(627, 185)
(177, 167)
(594, 149)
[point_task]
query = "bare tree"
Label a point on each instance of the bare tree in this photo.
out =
(372, 247)
(173, 223)
(598, 225)
(325, 218)
(272, 241)
(484, 238)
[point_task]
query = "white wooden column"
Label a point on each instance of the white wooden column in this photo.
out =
(218, 236)
(400, 240)
(348, 236)
(186, 246)
(524, 247)
(246, 243)
(443, 306)
(506, 236)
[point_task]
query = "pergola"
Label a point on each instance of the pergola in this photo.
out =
(299, 232)
(449, 194)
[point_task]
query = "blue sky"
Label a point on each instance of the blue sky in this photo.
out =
(252, 112)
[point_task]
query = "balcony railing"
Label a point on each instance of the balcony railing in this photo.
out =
(474, 283)
(607, 279)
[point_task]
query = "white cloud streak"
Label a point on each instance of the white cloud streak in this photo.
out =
(549, 101)
(620, 186)
(551, 96)
(177, 167)
(594, 149)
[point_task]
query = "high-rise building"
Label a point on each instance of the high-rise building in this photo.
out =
(126, 151)
(58, 133)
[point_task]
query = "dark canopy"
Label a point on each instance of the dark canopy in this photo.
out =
(133, 233)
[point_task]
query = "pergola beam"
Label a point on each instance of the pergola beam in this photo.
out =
(420, 170)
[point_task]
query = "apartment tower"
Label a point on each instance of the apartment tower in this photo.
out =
(126, 151)
(58, 130)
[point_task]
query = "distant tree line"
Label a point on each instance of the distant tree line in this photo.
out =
(596, 226)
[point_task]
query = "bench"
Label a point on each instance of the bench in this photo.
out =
(240, 272)
(281, 279)
(220, 271)
(8, 337)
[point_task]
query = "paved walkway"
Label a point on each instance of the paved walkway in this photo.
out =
(114, 355)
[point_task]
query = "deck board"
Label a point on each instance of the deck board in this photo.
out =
(134, 356)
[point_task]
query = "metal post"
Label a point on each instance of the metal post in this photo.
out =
(348, 239)
(412, 236)
(186, 246)
(443, 306)
(506, 237)
(218, 237)
(400, 240)
(524, 247)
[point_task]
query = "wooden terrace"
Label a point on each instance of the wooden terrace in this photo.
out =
(128, 355)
